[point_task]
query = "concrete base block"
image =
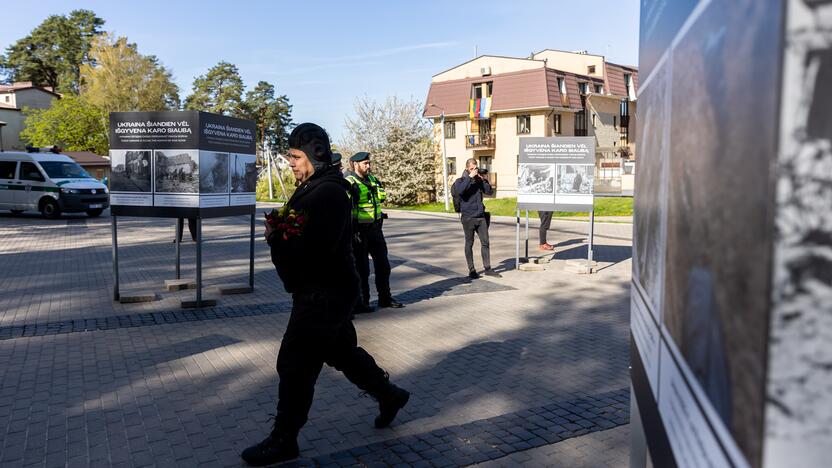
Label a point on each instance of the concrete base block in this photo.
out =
(131, 297)
(228, 289)
(531, 267)
(190, 302)
(180, 284)
(580, 267)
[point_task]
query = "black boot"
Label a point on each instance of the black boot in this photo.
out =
(273, 449)
(389, 404)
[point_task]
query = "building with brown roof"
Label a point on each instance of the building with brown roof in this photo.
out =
(13, 99)
(97, 166)
(551, 93)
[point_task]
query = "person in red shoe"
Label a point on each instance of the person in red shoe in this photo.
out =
(545, 223)
(311, 247)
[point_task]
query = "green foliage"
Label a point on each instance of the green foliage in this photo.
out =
(51, 55)
(263, 186)
(73, 123)
(120, 79)
(604, 206)
(219, 91)
(273, 115)
(399, 141)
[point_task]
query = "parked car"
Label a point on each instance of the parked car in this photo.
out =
(50, 183)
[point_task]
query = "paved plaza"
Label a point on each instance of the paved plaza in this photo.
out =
(527, 369)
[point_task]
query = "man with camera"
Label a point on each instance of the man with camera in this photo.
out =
(469, 188)
(368, 239)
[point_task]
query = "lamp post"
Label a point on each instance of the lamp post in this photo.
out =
(444, 159)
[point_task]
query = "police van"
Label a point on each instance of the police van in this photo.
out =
(48, 182)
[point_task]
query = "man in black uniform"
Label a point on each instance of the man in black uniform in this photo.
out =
(367, 196)
(311, 249)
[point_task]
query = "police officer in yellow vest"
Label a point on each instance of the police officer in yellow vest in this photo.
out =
(367, 196)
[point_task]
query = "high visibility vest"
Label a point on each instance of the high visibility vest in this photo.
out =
(367, 207)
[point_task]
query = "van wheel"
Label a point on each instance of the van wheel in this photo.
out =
(50, 209)
(94, 213)
(16, 212)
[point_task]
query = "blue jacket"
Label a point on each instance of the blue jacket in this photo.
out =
(470, 190)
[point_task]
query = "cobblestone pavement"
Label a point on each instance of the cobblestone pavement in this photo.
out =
(529, 368)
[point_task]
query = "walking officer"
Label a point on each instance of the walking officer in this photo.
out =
(310, 242)
(367, 196)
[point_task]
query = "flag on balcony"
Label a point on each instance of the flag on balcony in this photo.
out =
(479, 109)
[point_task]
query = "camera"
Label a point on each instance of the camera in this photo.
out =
(482, 171)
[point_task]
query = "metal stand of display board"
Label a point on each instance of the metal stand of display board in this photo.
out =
(591, 238)
(517, 240)
(180, 228)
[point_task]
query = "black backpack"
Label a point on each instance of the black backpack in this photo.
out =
(456, 197)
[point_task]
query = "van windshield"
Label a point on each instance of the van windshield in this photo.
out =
(64, 170)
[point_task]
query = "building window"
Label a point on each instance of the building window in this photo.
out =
(7, 99)
(628, 82)
(524, 124)
(450, 130)
(590, 70)
(580, 123)
(583, 88)
(481, 90)
(625, 136)
(451, 166)
(599, 89)
(562, 85)
(485, 163)
(556, 124)
(615, 122)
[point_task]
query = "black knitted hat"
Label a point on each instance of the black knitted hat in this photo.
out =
(314, 141)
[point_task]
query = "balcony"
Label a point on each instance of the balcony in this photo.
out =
(480, 141)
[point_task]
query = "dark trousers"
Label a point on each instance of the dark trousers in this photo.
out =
(545, 222)
(320, 331)
(371, 242)
(480, 226)
(181, 227)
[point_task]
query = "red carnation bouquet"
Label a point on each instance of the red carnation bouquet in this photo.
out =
(287, 222)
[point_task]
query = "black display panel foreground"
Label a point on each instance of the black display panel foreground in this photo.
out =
(179, 164)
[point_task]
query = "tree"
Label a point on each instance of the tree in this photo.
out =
(51, 55)
(273, 116)
(399, 141)
(72, 123)
(120, 79)
(219, 91)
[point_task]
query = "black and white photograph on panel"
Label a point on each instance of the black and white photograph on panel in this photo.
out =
(177, 171)
(536, 179)
(575, 179)
(243, 173)
(131, 171)
(213, 172)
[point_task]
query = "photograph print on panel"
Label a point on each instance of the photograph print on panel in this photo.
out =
(177, 171)
(131, 171)
(213, 173)
(243, 173)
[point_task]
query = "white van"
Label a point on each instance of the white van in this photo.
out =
(50, 183)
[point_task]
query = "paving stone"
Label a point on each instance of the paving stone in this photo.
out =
(485, 359)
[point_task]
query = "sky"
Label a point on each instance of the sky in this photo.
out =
(324, 55)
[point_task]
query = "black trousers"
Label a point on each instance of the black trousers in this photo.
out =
(371, 242)
(320, 331)
(545, 222)
(480, 227)
(191, 227)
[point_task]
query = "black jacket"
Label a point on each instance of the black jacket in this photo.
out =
(320, 258)
(470, 190)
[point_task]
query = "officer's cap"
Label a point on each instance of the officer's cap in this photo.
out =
(360, 156)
